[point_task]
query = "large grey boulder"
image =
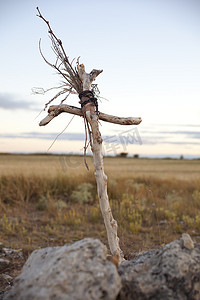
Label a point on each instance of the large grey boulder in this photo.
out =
(169, 273)
(79, 271)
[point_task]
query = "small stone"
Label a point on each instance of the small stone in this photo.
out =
(7, 277)
(13, 253)
(163, 222)
(187, 241)
(4, 262)
(8, 288)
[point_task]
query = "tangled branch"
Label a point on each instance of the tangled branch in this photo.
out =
(72, 83)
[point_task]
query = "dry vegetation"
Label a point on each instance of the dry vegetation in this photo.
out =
(51, 200)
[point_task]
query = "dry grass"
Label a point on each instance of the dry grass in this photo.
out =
(44, 200)
(53, 165)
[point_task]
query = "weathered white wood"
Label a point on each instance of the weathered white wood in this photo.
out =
(101, 178)
(87, 78)
(55, 110)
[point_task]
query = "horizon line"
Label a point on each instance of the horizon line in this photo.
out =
(127, 155)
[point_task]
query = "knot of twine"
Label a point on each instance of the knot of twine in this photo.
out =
(90, 99)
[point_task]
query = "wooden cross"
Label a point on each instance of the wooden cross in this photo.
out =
(79, 82)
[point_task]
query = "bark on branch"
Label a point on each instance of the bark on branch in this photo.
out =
(55, 110)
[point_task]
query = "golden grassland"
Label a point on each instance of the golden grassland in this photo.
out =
(52, 200)
(54, 165)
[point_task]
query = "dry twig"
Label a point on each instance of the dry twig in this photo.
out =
(72, 83)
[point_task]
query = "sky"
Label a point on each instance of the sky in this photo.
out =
(149, 53)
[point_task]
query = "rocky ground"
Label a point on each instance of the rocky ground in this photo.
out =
(81, 270)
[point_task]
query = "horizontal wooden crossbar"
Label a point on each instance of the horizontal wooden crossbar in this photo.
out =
(55, 110)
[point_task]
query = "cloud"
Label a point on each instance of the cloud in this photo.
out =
(176, 125)
(126, 137)
(10, 101)
(162, 135)
(188, 134)
(52, 136)
(45, 136)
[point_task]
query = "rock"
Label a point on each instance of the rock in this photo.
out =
(71, 272)
(4, 263)
(11, 253)
(169, 273)
(7, 277)
(187, 241)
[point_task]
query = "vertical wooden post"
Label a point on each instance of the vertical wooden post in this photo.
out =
(101, 178)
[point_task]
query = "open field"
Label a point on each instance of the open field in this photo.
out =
(53, 165)
(51, 200)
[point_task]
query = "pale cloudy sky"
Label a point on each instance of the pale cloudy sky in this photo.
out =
(149, 51)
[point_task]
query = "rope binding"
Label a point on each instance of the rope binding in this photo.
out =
(90, 99)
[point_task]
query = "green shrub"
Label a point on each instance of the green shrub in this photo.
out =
(42, 204)
(83, 193)
(60, 205)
